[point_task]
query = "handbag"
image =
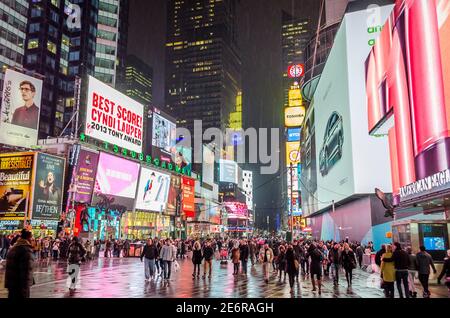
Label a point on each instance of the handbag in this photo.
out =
(176, 266)
(297, 265)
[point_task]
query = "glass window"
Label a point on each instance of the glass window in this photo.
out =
(74, 56)
(36, 12)
(55, 3)
(34, 27)
(63, 69)
(32, 58)
(76, 41)
(51, 47)
(33, 43)
(54, 16)
(52, 31)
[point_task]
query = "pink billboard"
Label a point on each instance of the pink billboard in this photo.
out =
(116, 181)
(236, 210)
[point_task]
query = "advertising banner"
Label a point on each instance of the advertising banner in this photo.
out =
(174, 194)
(228, 171)
(294, 116)
(236, 210)
(116, 179)
(188, 201)
(48, 187)
(293, 134)
(153, 190)
(208, 166)
(295, 96)
(83, 174)
(113, 117)
(16, 171)
(20, 109)
(183, 157)
(163, 136)
(292, 153)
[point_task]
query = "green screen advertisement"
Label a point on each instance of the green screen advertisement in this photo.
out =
(48, 187)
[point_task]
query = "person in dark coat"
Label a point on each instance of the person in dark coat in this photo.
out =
(19, 267)
(423, 262)
(149, 255)
(281, 262)
(379, 254)
(76, 256)
(244, 254)
(292, 265)
(315, 266)
(197, 258)
(446, 272)
(348, 261)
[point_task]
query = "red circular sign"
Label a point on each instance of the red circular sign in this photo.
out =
(296, 70)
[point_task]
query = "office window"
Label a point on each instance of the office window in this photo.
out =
(32, 58)
(63, 69)
(74, 56)
(51, 47)
(34, 27)
(33, 43)
(54, 16)
(52, 31)
(55, 3)
(36, 12)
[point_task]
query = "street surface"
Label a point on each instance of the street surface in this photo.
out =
(124, 278)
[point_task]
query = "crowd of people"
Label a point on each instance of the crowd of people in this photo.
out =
(312, 259)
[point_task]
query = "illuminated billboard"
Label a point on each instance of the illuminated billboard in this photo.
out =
(408, 95)
(293, 134)
(295, 96)
(113, 117)
(163, 136)
(208, 166)
(228, 171)
(188, 199)
(296, 70)
(292, 153)
(20, 109)
(294, 116)
(153, 190)
(236, 210)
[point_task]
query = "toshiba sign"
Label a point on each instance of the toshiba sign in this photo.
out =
(294, 116)
(113, 117)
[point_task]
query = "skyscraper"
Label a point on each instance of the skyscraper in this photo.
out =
(137, 80)
(13, 28)
(203, 64)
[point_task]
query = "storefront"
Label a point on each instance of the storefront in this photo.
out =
(43, 228)
(139, 225)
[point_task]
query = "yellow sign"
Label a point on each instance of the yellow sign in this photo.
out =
(292, 153)
(294, 116)
(295, 96)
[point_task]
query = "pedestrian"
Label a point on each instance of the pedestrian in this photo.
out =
(316, 266)
(292, 266)
(359, 254)
(108, 246)
(335, 257)
(424, 261)
(197, 258)
(412, 271)
(160, 261)
(252, 251)
(55, 249)
(149, 255)
(348, 261)
(379, 254)
(76, 256)
(5, 247)
(208, 254)
(126, 248)
(281, 262)
(19, 267)
(446, 272)
(235, 258)
(401, 263)
(168, 256)
(244, 254)
(387, 272)
(266, 257)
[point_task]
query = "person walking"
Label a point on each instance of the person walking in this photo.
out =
(446, 272)
(149, 255)
(412, 271)
(168, 256)
(19, 267)
(359, 254)
(55, 249)
(244, 253)
(387, 272)
(401, 263)
(379, 254)
(348, 261)
(266, 258)
(208, 254)
(335, 257)
(235, 258)
(5, 246)
(281, 262)
(252, 251)
(424, 261)
(292, 266)
(316, 266)
(76, 255)
(197, 258)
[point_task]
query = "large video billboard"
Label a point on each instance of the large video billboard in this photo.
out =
(48, 187)
(16, 174)
(188, 200)
(116, 179)
(153, 190)
(208, 166)
(348, 161)
(113, 117)
(228, 171)
(163, 136)
(84, 168)
(408, 94)
(20, 109)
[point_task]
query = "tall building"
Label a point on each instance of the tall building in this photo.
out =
(111, 39)
(13, 28)
(63, 44)
(137, 80)
(203, 65)
(296, 33)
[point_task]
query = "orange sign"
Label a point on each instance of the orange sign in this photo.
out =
(188, 189)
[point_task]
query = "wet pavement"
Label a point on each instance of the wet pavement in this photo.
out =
(124, 278)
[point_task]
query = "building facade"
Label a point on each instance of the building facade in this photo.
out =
(203, 64)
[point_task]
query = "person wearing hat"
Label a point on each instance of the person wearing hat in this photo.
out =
(19, 267)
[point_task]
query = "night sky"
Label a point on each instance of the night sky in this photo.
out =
(259, 23)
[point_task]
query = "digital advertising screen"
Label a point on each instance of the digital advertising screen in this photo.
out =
(174, 194)
(228, 171)
(434, 243)
(293, 134)
(236, 210)
(83, 174)
(188, 200)
(163, 136)
(16, 175)
(48, 187)
(208, 166)
(153, 190)
(113, 117)
(116, 180)
(183, 157)
(20, 109)
(294, 116)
